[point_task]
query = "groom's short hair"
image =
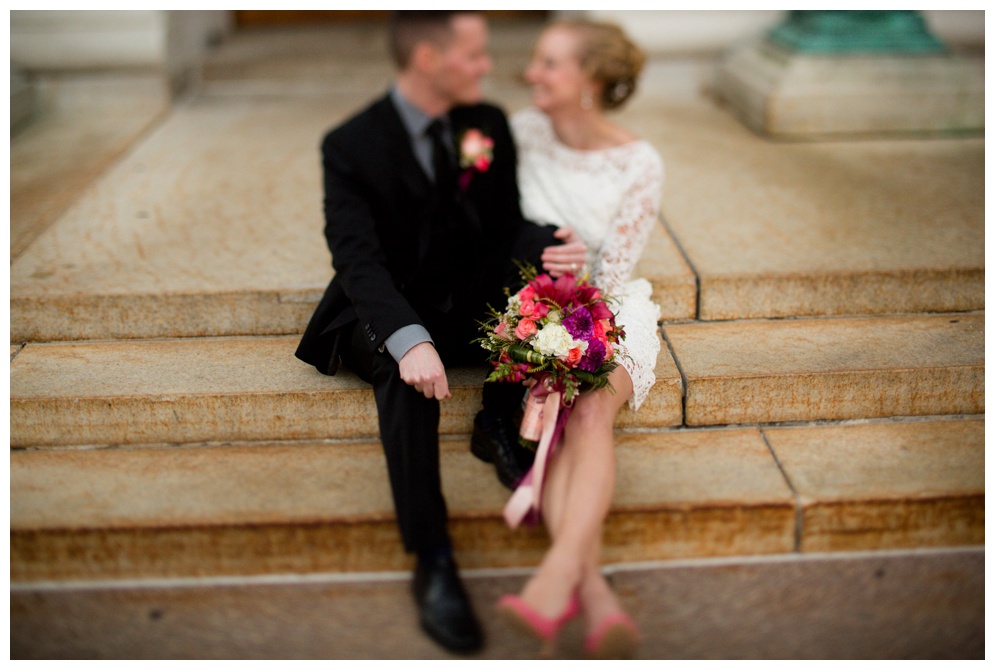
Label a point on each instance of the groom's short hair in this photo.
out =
(407, 28)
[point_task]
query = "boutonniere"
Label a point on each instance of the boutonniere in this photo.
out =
(476, 153)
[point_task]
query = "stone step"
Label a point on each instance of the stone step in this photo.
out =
(830, 369)
(874, 605)
(84, 514)
(247, 389)
(224, 390)
(189, 243)
(774, 229)
(212, 224)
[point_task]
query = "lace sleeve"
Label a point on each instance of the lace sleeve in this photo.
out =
(631, 224)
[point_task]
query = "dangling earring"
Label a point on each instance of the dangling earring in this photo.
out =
(586, 99)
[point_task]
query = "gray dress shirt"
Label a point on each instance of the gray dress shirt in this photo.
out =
(416, 122)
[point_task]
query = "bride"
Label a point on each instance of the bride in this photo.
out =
(578, 168)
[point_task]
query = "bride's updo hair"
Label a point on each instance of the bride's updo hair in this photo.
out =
(608, 56)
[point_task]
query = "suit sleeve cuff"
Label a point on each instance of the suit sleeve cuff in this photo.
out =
(404, 338)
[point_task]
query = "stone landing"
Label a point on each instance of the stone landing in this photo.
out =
(78, 128)
(881, 605)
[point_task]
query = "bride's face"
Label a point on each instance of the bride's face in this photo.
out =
(554, 72)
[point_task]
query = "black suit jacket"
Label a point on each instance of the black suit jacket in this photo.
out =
(381, 210)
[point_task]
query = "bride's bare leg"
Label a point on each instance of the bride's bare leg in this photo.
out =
(596, 594)
(577, 494)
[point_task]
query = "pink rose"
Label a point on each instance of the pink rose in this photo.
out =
(541, 311)
(574, 356)
(526, 328)
(474, 143)
(476, 150)
(527, 294)
(502, 331)
(527, 308)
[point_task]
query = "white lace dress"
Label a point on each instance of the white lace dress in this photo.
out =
(611, 197)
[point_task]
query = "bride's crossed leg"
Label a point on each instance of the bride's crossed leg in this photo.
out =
(576, 497)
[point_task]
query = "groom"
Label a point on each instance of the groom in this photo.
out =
(423, 223)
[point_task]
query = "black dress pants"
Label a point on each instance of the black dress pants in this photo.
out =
(409, 425)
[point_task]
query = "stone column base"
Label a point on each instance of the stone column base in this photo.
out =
(789, 95)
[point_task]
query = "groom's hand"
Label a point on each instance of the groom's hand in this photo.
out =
(422, 368)
(569, 257)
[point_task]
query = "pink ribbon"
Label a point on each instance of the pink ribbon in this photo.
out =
(525, 503)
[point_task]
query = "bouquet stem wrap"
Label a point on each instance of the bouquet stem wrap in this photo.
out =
(526, 502)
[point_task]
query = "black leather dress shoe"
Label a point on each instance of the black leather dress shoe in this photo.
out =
(495, 440)
(444, 611)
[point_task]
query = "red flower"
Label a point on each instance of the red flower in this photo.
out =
(599, 310)
(561, 292)
(600, 329)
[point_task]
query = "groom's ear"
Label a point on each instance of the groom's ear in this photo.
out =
(426, 56)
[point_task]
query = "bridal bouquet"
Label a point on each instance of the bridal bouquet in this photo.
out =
(561, 332)
(558, 337)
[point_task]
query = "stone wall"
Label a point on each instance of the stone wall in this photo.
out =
(166, 41)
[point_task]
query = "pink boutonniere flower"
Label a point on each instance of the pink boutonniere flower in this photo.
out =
(476, 153)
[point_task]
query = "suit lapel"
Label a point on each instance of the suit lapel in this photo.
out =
(417, 183)
(418, 190)
(411, 172)
(462, 121)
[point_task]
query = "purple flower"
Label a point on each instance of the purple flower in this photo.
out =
(579, 324)
(594, 357)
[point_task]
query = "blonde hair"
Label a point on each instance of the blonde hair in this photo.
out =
(609, 57)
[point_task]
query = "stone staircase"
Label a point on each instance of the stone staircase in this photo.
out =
(811, 457)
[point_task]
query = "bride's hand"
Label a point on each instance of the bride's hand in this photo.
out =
(569, 257)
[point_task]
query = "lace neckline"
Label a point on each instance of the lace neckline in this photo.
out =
(557, 142)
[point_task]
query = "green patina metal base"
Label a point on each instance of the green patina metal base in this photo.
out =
(852, 74)
(847, 32)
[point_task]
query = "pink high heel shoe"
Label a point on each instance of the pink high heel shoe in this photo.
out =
(615, 638)
(526, 619)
